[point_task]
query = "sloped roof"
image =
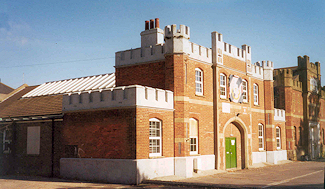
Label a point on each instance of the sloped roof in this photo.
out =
(90, 83)
(16, 95)
(4, 89)
(15, 106)
(37, 106)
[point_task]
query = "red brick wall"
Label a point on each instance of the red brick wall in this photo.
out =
(142, 131)
(180, 79)
(151, 74)
(234, 63)
(101, 134)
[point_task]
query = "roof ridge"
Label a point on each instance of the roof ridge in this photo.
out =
(79, 77)
(15, 91)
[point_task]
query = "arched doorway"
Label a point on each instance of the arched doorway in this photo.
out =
(235, 138)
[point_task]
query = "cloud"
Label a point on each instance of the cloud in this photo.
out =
(13, 32)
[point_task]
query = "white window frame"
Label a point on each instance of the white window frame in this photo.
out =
(198, 81)
(223, 86)
(6, 142)
(154, 136)
(194, 138)
(260, 136)
(255, 94)
(245, 92)
(278, 137)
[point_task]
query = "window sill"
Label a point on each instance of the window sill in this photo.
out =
(195, 154)
(156, 157)
(224, 99)
(200, 95)
(261, 150)
(257, 105)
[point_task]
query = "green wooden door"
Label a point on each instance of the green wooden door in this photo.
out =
(231, 153)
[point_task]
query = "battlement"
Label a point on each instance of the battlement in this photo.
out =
(140, 55)
(172, 31)
(296, 83)
(200, 53)
(285, 72)
(257, 70)
(286, 77)
(124, 96)
(304, 63)
(220, 48)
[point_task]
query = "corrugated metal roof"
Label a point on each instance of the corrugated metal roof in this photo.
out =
(90, 83)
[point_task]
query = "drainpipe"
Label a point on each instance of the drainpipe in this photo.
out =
(52, 153)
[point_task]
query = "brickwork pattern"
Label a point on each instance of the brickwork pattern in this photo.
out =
(101, 134)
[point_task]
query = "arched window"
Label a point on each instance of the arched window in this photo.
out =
(255, 94)
(223, 84)
(245, 94)
(154, 137)
(260, 137)
(194, 136)
(198, 81)
(278, 138)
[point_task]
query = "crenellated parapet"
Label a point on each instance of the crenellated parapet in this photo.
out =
(171, 31)
(140, 55)
(118, 97)
(256, 70)
(304, 63)
(220, 48)
(296, 83)
(283, 77)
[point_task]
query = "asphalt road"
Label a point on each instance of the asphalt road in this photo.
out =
(290, 175)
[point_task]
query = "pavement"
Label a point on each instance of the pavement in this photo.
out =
(285, 174)
(173, 178)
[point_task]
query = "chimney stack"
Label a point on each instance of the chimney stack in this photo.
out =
(157, 22)
(146, 25)
(152, 23)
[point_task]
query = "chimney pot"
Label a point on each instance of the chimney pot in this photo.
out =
(146, 25)
(152, 23)
(157, 22)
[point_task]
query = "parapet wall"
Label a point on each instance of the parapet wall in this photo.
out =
(304, 63)
(279, 115)
(177, 41)
(125, 96)
(140, 55)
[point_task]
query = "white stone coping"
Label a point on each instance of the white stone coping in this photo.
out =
(124, 96)
(279, 114)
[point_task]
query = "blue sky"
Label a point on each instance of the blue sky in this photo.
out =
(51, 40)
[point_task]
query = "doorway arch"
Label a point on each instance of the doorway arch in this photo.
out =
(240, 125)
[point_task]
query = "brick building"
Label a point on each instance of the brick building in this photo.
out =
(298, 90)
(172, 107)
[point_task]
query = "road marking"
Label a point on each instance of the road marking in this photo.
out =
(287, 180)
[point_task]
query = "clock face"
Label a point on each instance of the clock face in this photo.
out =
(313, 85)
(236, 89)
